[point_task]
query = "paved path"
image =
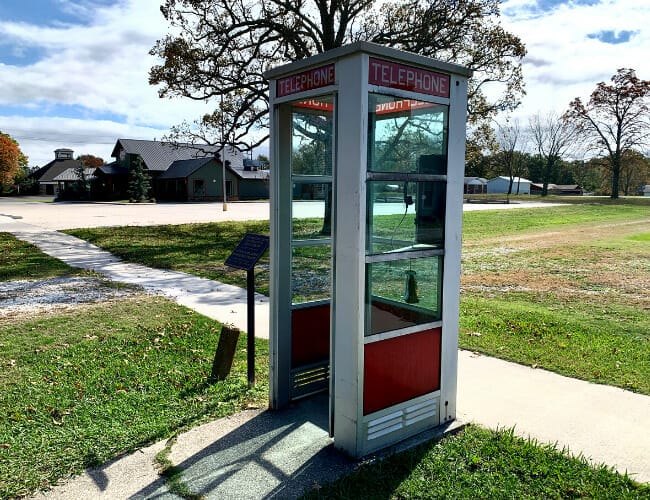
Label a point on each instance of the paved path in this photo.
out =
(225, 303)
(282, 453)
(606, 424)
(250, 455)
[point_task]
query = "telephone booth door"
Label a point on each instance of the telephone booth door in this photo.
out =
(367, 148)
(302, 224)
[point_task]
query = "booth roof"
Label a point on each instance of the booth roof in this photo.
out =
(368, 48)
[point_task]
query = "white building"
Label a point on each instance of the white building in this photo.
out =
(475, 185)
(499, 185)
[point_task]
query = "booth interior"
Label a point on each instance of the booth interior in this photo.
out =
(404, 214)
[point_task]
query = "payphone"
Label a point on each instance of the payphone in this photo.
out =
(367, 149)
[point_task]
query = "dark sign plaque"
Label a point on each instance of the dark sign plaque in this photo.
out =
(248, 252)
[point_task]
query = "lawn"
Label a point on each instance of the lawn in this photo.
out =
(83, 386)
(562, 288)
(479, 463)
(566, 292)
(18, 260)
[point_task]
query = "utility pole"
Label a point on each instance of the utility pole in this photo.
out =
(223, 160)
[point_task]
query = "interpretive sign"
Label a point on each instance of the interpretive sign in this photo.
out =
(248, 251)
(307, 80)
(401, 76)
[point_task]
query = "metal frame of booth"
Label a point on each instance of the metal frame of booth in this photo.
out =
(376, 137)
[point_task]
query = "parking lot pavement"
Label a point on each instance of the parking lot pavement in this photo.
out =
(72, 215)
(41, 212)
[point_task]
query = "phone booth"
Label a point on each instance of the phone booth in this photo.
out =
(367, 148)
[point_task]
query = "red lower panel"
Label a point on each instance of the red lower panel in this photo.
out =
(310, 335)
(399, 369)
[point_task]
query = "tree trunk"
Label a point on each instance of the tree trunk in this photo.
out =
(545, 175)
(326, 230)
(616, 173)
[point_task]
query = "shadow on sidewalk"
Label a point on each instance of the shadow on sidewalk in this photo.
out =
(276, 454)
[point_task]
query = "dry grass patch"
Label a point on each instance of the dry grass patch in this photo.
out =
(573, 300)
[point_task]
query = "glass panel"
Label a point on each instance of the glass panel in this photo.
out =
(403, 293)
(406, 135)
(312, 128)
(312, 210)
(311, 138)
(311, 273)
(405, 216)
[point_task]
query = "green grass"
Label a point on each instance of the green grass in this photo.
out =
(570, 300)
(477, 463)
(496, 223)
(81, 387)
(608, 345)
(173, 474)
(601, 328)
(641, 237)
(199, 249)
(570, 200)
(20, 260)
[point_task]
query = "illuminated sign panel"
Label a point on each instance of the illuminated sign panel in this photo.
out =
(307, 80)
(385, 108)
(315, 104)
(401, 76)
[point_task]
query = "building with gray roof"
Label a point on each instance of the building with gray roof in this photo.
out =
(157, 156)
(46, 176)
(201, 179)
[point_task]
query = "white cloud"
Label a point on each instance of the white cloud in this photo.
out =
(38, 138)
(563, 62)
(101, 66)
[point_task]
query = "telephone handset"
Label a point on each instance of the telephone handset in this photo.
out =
(408, 199)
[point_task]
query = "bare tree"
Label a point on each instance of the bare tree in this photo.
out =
(615, 120)
(552, 137)
(221, 48)
(512, 141)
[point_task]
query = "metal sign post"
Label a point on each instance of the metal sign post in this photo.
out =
(245, 256)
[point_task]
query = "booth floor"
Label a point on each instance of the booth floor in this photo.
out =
(286, 452)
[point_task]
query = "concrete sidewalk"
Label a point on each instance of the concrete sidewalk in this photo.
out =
(282, 453)
(251, 455)
(605, 424)
(68, 215)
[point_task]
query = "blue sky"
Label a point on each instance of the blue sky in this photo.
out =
(47, 12)
(542, 7)
(73, 73)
